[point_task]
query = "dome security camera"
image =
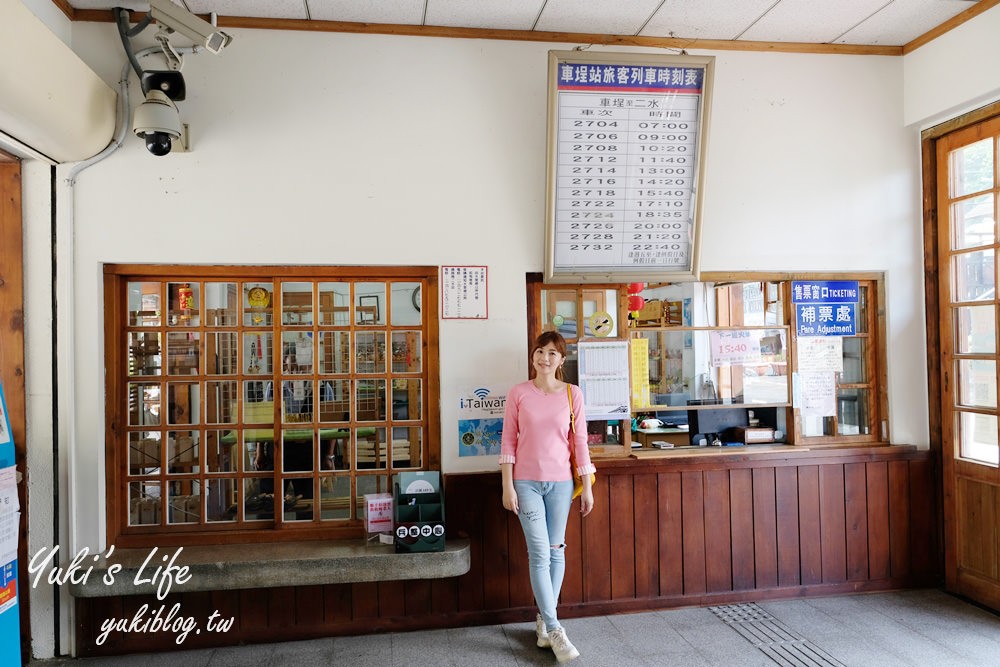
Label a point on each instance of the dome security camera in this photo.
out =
(157, 122)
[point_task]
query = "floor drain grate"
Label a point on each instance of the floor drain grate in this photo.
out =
(767, 633)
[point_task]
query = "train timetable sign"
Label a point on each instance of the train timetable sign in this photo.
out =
(626, 144)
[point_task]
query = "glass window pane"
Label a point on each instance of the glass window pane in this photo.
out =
(184, 502)
(298, 498)
(971, 168)
(296, 303)
(221, 451)
(406, 351)
(371, 449)
(221, 502)
(298, 450)
(335, 400)
(220, 402)
(335, 449)
(974, 276)
(258, 402)
(296, 401)
(335, 497)
(183, 353)
(370, 351)
(335, 304)
(976, 327)
(258, 304)
(257, 353)
(296, 352)
(369, 400)
(977, 437)
(259, 494)
(144, 354)
(221, 353)
(144, 304)
(182, 451)
(144, 453)
(852, 412)
(184, 300)
(977, 383)
(407, 446)
(182, 403)
(144, 507)
(559, 312)
(334, 352)
(221, 305)
(406, 304)
(144, 408)
(406, 399)
(259, 452)
(972, 222)
(369, 306)
(854, 371)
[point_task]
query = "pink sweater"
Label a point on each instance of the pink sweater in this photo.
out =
(536, 430)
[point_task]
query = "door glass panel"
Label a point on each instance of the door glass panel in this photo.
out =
(971, 168)
(976, 330)
(974, 276)
(559, 312)
(183, 405)
(182, 450)
(221, 451)
(977, 383)
(977, 437)
(972, 222)
(369, 402)
(297, 401)
(144, 407)
(257, 353)
(297, 352)
(220, 402)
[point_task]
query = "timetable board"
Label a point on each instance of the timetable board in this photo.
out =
(626, 143)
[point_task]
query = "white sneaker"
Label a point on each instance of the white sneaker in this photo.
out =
(541, 633)
(562, 647)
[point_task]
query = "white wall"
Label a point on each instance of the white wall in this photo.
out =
(955, 73)
(312, 148)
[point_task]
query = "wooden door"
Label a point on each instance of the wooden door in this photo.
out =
(968, 188)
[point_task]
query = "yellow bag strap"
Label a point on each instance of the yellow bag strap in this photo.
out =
(572, 415)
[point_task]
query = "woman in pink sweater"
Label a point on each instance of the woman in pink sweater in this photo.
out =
(537, 480)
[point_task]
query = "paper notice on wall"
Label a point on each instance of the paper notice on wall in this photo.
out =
(816, 394)
(820, 353)
(640, 372)
(9, 515)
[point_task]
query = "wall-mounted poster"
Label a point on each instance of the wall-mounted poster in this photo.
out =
(626, 147)
(480, 422)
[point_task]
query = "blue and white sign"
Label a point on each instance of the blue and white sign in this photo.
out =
(10, 629)
(825, 307)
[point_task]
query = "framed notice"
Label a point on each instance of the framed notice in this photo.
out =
(463, 293)
(626, 146)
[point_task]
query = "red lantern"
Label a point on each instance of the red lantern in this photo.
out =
(635, 288)
(635, 302)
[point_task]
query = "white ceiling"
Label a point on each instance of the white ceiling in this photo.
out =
(860, 22)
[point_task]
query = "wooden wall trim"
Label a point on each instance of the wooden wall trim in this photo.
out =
(710, 535)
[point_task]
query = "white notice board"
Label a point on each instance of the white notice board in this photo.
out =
(626, 146)
(604, 378)
(463, 293)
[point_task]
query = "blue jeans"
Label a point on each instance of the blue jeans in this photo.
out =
(543, 509)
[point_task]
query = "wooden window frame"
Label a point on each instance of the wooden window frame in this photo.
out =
(116, 321)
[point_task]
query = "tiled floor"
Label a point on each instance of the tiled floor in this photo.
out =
(922, 628)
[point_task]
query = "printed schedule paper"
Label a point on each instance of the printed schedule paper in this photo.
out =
(463, 293)
(626, 135)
